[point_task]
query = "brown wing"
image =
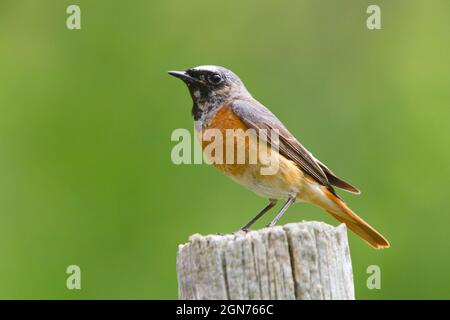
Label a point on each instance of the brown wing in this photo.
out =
(256, 116)
(336, 181)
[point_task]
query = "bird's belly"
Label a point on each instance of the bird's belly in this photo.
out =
(287, 180)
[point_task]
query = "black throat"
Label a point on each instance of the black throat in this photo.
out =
(204, 99)
(196, 111)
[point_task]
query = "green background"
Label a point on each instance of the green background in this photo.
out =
(86, 118)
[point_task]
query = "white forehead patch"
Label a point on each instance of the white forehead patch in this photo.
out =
(207, 68)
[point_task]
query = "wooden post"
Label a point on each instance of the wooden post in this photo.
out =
(307, 260)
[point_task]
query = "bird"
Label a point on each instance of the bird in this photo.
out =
(221, 102)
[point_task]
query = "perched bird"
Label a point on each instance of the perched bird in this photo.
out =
(222, 102)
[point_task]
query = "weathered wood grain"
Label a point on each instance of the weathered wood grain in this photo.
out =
(307, 260)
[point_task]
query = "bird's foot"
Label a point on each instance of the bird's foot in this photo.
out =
(241, 230)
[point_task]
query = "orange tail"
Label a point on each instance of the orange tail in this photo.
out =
(345, 215)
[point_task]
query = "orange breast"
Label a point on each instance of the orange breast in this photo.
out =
(225, 119)
(286, 180)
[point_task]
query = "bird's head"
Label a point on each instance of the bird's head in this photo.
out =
(211, 86)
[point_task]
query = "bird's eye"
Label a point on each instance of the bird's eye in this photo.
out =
(215, 79)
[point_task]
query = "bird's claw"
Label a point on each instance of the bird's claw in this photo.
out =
(244, 230)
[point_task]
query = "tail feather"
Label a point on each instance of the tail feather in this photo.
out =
(345, 215)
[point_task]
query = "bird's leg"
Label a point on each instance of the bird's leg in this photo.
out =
(271, 204)
(286, 206)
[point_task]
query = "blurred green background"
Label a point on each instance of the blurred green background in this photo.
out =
(86, 118)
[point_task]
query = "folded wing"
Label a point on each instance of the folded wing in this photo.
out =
(256, 116)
